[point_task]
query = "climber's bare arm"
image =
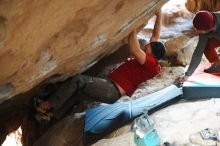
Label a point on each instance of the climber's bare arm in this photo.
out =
(135, 49)
(157, 27)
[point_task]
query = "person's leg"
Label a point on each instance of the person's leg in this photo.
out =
(212, 56)
(98, 89)
(210, 51)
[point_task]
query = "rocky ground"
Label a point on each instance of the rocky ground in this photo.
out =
(178, 122)
(175, 124)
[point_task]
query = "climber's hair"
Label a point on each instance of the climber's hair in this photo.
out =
(158, 49)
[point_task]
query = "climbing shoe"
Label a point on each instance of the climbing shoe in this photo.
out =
(213, 69)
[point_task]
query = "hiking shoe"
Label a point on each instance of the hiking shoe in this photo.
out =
(43, 118)
(213, 69)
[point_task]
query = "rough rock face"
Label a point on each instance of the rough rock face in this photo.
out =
(196, 5)
(39, 39)
(182, 47)
(70, 131)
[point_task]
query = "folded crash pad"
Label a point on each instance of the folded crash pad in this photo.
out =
(104, 119)
(201, 84)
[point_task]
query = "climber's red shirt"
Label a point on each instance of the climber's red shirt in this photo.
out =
(130, 73)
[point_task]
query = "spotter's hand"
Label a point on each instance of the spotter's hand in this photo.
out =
(183, 78)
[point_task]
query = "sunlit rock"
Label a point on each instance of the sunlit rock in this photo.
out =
(196, 5)
(40, 39)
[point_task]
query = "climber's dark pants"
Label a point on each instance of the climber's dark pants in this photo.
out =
(98, 89)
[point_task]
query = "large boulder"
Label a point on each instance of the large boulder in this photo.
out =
(39, 39)
(181, 49)
(196, 5)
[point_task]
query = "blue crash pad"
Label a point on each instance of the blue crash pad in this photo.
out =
(201, 84)
(104, 119)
